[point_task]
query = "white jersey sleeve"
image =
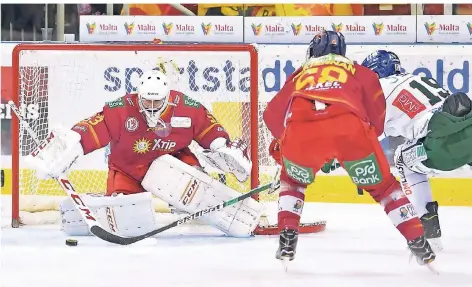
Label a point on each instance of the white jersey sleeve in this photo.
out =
(411, 101)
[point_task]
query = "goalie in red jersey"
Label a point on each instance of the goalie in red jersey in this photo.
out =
(333, 108)
(149, 134)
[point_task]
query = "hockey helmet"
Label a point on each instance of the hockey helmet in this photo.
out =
(153, 95)
(384, 63)
(326, 42)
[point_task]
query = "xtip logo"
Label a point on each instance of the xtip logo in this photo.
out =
(378, 28)
(167, 28)
(430, 28)
(256, 29)
(337, 28)
(469, 28)
(296, 29)
(206, 28)
(129, 28)
(91, 27)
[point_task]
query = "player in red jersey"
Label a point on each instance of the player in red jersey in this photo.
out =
(333, 108)
(149, 134)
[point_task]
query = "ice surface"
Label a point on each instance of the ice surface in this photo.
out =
(359, 248)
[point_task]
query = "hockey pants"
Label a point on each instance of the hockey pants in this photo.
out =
(307, 145)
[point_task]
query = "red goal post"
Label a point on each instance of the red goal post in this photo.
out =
(64, 83)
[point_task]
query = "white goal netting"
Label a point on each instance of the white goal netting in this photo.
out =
(63, 86)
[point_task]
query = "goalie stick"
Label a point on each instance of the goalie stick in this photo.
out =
(65, 184)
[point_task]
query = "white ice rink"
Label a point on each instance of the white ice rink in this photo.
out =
(360, 247)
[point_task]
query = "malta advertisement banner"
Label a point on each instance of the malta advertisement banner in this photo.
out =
(276, 30)
(169, 28)
(444, 29)
(365, 29)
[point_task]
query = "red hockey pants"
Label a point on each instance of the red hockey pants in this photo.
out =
(307, 145)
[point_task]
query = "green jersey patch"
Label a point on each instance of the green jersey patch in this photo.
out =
(116, 103)
(191, 102)
(301, 174)
(364, 172)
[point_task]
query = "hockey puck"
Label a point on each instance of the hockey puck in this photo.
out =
(71, 242)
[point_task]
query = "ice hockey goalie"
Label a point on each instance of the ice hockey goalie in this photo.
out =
(149, 134)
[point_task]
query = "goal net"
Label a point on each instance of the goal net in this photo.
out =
(63, 84)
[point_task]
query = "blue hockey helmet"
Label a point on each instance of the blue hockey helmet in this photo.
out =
(384, 63)
(326, 42)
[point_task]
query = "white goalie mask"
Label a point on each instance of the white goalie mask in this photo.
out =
(153, 96)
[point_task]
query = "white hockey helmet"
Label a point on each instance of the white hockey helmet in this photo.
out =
(153, 96)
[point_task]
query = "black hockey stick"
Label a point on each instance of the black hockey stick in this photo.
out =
(113, 238)
(86, 213)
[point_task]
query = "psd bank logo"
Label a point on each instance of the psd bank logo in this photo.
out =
(337, 28)
(256, 29)
(206, 28)
(296, 29)
(91, 27)
(430, 28)
(129, 28)
(378, 28)
(469, 28)
(167, 28)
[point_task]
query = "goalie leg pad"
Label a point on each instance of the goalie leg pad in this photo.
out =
(191, 190)
(125, 215)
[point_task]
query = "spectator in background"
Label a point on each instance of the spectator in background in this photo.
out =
(280, 10)
(261, 10)
(98, 9)
(158, 9)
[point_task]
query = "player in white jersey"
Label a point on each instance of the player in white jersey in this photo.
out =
(431, 120)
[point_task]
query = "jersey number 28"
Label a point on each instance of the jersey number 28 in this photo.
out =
(431, 89)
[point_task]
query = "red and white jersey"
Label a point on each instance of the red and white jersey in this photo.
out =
(411, 101)
(134, 145)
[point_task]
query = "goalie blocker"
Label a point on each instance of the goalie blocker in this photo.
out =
(184, 187)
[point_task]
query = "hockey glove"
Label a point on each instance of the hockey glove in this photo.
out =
(230, 157)
(56, 154)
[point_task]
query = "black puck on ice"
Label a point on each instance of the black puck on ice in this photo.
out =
(71, 242)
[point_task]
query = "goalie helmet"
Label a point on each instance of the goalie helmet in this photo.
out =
(384, 63)
(153, 96)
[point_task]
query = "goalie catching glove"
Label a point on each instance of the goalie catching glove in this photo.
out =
(56, 153)
(230, 157)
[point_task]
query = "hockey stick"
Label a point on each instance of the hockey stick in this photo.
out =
(113, 238)
(66, 185)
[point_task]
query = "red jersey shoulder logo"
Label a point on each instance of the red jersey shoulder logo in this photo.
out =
(407, 103)
(131, 124)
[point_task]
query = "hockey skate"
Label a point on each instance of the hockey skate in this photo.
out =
(287, 246)
(422, 251)
(432, 229)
